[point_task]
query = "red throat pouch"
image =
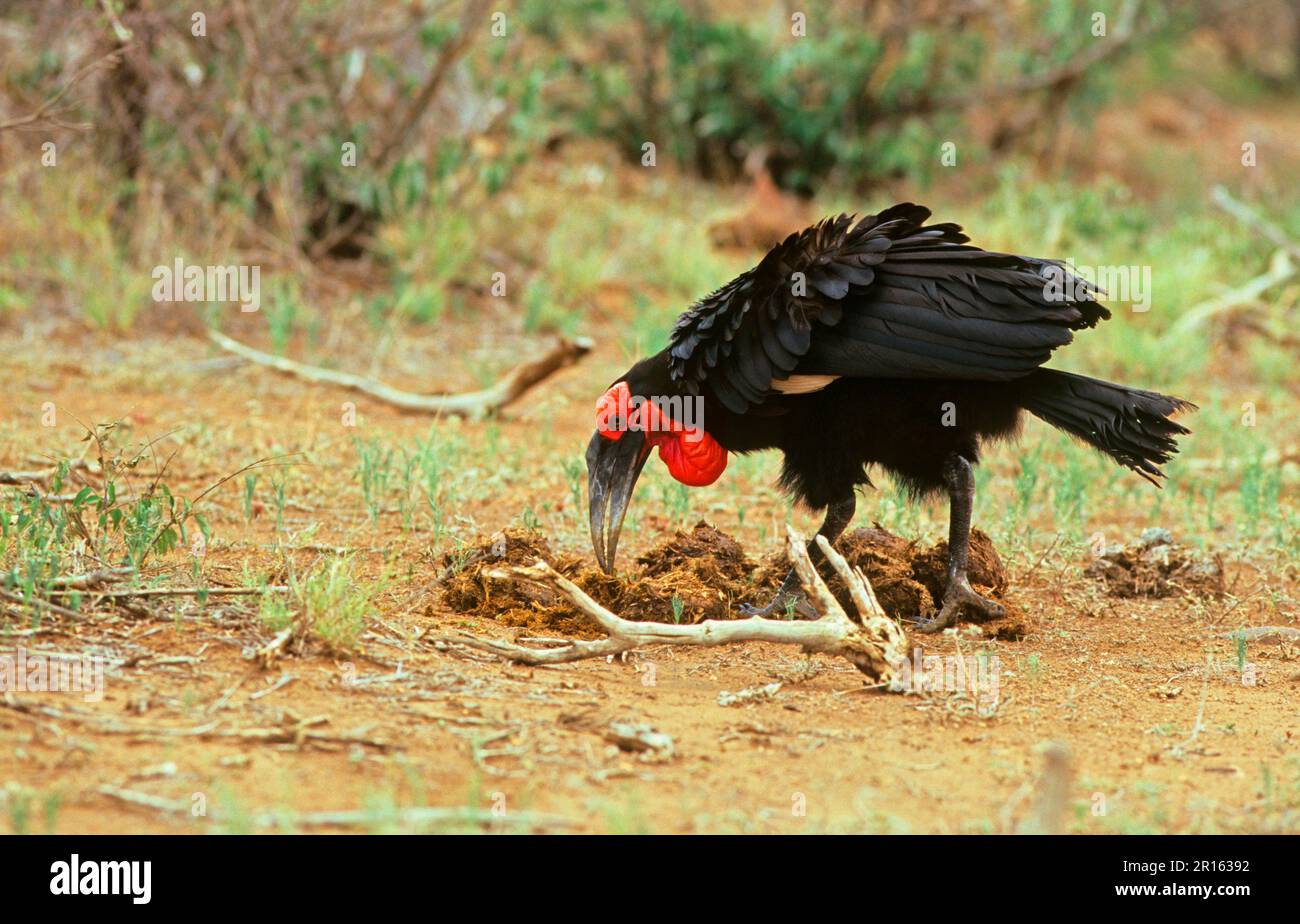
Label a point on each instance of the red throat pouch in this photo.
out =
(695, 462)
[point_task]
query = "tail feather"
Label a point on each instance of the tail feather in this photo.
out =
(1132, 426)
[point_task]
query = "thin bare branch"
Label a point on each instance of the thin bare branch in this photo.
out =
(1220, 196)
(41, 116)
(475, 404)
(1101, 48)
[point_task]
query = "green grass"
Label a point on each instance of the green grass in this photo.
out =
(430, 252)
(45, 535)
(423, 481)
(21, 805)
(328, 603)
(1148, 808)
(63, 239)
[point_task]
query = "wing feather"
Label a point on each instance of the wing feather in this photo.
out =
(885, 296)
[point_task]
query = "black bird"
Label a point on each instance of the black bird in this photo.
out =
(882, 341)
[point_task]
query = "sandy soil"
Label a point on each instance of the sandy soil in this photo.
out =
(1165, 731)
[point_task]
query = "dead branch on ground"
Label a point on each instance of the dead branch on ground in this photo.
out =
(214, 591)
(37, 603)
(1220, 196)
(91, 580)
(474, 404)
(1282, 267)
(1061, 76)
(44, 475)
(1279, 635)
(876, 645)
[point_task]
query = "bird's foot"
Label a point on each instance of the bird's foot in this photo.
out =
(782, 606)
(959, 594)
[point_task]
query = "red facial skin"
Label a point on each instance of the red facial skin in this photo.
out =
(693, 457)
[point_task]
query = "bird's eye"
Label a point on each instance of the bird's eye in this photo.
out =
(610, 424)
(612, 417)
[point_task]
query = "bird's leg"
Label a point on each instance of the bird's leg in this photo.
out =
(960, 479)
(790, 596)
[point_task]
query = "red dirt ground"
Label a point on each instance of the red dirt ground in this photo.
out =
(1120, 680)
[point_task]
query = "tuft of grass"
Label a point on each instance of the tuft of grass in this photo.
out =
(63, 235)
(543, 311)
(422, 477)
(374, 473)
(283, 311)
(249, 496)
(327, 603)
(679, 608)
(432, 252)
(19, 803)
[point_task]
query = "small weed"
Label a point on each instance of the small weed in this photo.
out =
(327, 603)
(249, 497)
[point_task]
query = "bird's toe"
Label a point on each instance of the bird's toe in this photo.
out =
(937, 623)
(958, 595)
(989, 609)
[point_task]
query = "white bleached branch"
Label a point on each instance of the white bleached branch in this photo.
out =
(474, 404)
(876, 645)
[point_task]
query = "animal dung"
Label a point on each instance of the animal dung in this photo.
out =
(691, 576)
(909, 579)
(704, 573)
(1155, 565)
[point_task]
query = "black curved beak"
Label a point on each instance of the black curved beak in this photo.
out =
(613, 467)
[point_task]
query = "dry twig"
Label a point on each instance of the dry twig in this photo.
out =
(43, 476)
(1280, 635)
(475, 404)
(90, 580)
(1220, 196)
(43, 117)
(1281, 267)
(1064, 74)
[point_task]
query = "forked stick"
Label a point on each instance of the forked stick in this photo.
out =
(876, 646)
(473, 404)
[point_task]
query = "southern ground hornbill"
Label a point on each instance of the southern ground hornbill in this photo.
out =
(885, 341)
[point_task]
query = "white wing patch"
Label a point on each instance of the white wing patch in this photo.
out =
(802, 384)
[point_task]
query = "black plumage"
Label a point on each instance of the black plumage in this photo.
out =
(883, 297)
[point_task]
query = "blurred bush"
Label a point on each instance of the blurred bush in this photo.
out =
(253, 118)
(850, 93)
(239, 136)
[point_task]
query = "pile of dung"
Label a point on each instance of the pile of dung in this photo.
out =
(705, 571)
(1155, 566)
(467, 588)
(909, 581)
